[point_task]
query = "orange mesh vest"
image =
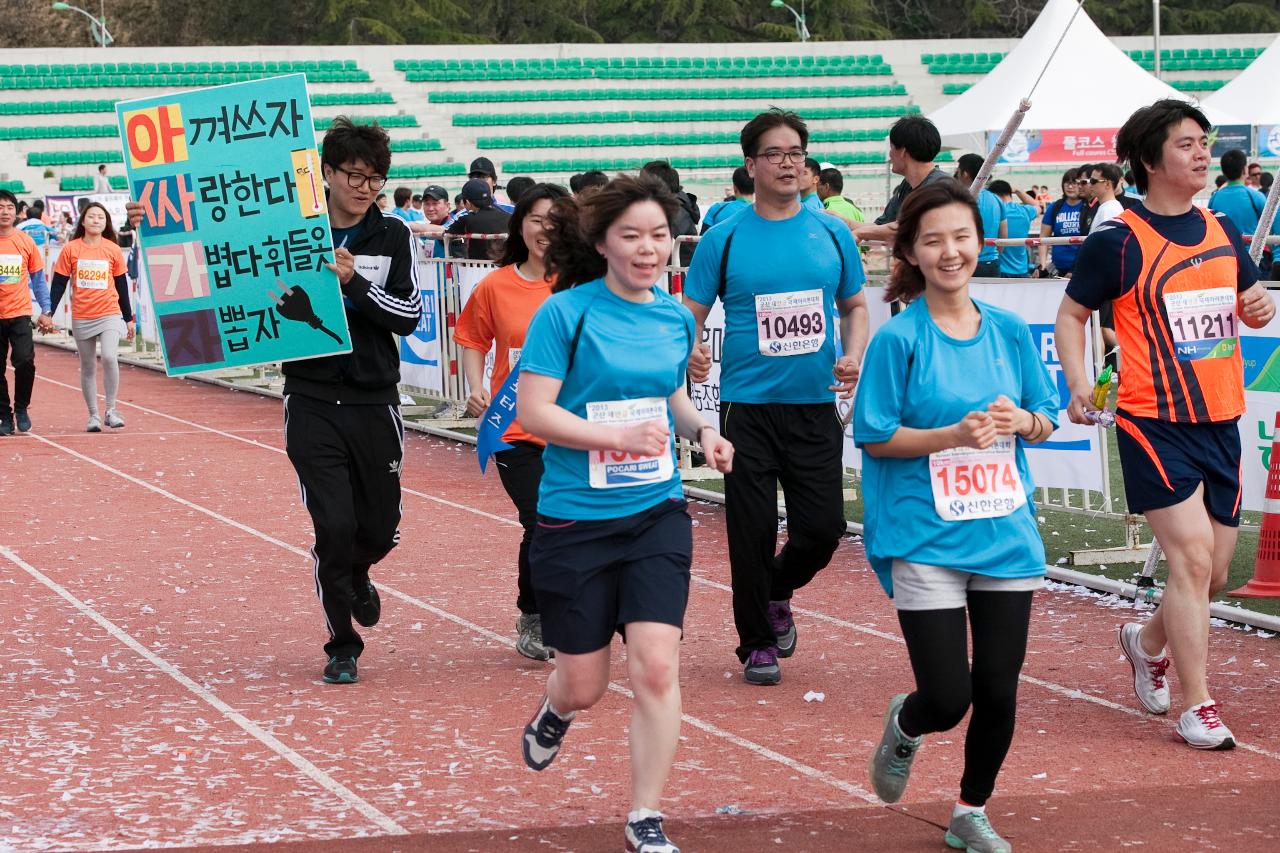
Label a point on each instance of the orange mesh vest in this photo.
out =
(1178, 329)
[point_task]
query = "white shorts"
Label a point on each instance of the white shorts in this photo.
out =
(918, 586)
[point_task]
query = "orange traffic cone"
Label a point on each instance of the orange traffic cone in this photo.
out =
(1266, 568)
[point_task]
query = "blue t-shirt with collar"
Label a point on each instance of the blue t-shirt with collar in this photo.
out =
(722, 211)
(915, 375)
(1242, 205)
(993, 213)
(813, 202)
(409, 215)
(1064, 220)
(808, 251)
(605, 367)
(1014, 260)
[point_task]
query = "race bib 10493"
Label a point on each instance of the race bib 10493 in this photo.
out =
(790, 323)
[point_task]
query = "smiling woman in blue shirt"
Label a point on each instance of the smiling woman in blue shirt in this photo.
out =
(949, 523)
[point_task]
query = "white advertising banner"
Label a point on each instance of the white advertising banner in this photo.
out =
(1071, 459)
(1260, 349)
(420, 353)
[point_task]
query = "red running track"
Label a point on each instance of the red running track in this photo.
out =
(161, 658)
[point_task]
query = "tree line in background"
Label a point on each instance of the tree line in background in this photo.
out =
(33, 23)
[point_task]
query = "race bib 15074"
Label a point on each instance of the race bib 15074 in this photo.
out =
(969, 483)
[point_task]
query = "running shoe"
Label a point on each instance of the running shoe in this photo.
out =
(1202, 728)
(973, 833)
(341, 670)
(23, 420)
(784, 627)
(890, 765)
(6, 423)
(1149, 680)
(762, 667)
(366, 605)
(646, 836)
(541, 741)
(529, 642)
(94, 425)
(113, 419)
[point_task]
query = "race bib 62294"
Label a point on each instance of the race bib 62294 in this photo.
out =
(93, 274)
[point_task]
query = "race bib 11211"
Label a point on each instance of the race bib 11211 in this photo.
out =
(1203, 323)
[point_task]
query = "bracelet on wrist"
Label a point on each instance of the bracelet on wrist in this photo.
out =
(698, 435)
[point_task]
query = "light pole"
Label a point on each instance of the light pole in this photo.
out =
(1155, 32)
(802, 30)
(98, 26)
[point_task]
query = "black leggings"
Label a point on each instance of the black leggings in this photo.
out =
(945, 687)
(521, 471)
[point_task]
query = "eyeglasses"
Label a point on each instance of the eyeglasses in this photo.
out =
(356, 180)
(1097, 181)
(775, 158)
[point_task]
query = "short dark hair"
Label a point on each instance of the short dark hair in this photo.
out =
(514, 250)
(663, 171)
(1265, 180)
(518, 186)
(1220, 181)
(970, 164)
(743, 183)
(832, 178)
(1000, 188)
(102, 167)
(593, 179)
(918, 136)
(1233, 163)
(402, 195)
(1141, 139)
(814, 167)
(767, 121)
(1110, 172)
(345, 142)
(906, 282)
(5, 195)
(578, 225)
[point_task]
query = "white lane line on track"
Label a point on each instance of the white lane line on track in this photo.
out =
(309, 770)
(710, 728)
(280, 450)
(1053, 687)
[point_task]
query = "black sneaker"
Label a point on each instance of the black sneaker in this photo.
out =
(646, 836)
(23, 420)
(366, 606)
(542, 736)
(6, 424)
(341, 670)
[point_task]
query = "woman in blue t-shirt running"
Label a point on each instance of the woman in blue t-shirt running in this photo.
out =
(602, 383)
(951, 390)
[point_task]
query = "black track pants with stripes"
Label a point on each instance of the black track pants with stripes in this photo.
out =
(348, 461)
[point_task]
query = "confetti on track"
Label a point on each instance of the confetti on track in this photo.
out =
(161, 650)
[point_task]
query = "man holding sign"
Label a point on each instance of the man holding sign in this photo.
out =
(1180, 280)
(343, 430)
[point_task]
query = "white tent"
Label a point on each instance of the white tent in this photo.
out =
(1090, 83)
(1252, 94)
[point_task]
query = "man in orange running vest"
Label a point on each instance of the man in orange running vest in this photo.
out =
(1180, 280)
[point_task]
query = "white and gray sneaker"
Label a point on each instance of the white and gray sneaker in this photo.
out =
(95, 425)
(1202, 728)
(973, 833)
(542, 736)
(113, 419)
(1149, 680)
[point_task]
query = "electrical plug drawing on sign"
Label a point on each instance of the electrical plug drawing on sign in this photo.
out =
(294, 304)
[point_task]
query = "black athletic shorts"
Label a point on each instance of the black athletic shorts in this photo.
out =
(592, 578)
(1164, 462)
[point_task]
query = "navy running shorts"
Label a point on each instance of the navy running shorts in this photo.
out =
(592, 578)
(1164, 462)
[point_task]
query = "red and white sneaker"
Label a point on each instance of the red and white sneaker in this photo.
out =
(1148, 675)
(1202, 728)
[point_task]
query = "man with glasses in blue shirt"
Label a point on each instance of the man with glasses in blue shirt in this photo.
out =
(786, 275)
